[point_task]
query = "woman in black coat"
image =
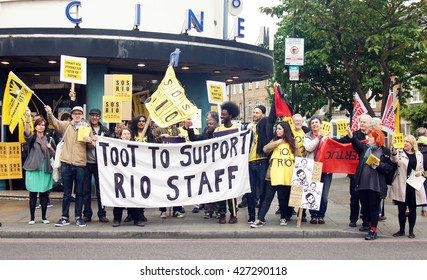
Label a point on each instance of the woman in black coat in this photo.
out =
(370, 179)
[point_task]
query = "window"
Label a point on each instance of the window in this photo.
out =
(250, 108)
(415, 96)
(240, 107)
(234, 89)
(240, 88)
(267, 105)
(257, 103)
(257, 85)
(249, 85)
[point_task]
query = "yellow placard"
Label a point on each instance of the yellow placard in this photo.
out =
(398, 137)
(138, 100)
(215, 92)
(169, 105)
(122, 89)
(317, 172)
(11, 163)
(73, 69)
(342, 126)
(326, 127)
(111, 109)
(83, 131)
(290, 121)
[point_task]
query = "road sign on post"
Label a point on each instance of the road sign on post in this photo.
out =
(294, 51)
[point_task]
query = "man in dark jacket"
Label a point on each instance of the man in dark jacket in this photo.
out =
(92, 170)
(364, 124)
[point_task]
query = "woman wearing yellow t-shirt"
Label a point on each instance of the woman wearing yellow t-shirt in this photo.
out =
(283, 151)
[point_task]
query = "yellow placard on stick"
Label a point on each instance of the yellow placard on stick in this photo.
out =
(326, 127)
(73, 69)
(342, 126)
(168, 105)
(398, 137)
(216, 91)
(83, 131)
(11, 164)
(111, 109)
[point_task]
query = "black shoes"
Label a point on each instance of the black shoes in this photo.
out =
(371, 235)
(313, 220)
(116, 223)
(87, 219)
(364, 228)
(398, 234)
(128, 219)
(103, 219)
(352, 224)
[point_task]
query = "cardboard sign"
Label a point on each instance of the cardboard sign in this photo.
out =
(73, 69)
(11, 163)
(120, 86)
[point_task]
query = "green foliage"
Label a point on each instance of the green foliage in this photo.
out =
(351, 46)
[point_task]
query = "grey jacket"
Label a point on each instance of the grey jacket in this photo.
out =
(35, 158)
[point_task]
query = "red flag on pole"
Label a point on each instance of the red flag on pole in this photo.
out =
(280, 106)
(358, 110)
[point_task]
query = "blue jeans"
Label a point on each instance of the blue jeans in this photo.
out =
(326, 179)
(70, 174)
(92, 170)
(257, 172)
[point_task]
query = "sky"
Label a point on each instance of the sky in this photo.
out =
(254, 19)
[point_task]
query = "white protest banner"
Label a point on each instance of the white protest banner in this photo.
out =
(135, 174)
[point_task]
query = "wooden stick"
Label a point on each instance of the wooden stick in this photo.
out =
(147, 124)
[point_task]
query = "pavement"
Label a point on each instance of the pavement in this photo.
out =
(14, 216)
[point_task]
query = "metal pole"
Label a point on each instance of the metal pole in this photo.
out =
(293, 82)
(225, 21)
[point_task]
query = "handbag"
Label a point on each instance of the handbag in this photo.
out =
(59, 147)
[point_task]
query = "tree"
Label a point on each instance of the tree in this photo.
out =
(351, 46)
(417, 113)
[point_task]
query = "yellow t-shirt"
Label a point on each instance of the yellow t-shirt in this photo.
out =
(299, 141)
(282, 166)
(184, 132)
(253, 155)
(223, 128)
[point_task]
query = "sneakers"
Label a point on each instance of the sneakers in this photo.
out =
(371, 235)
(80, 222)
(251, 220)
(352, 224)
(178, 214)
(116, 224)
(49, 205)
(283, 222)
(258, 223)
(63, 222)
(87, 219)
(38, 206)
(139, 223)
(32, 222)
(208, 215)
(163, 215)
(45, 222)
(196, 209)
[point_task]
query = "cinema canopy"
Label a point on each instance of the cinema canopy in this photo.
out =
(128, 37)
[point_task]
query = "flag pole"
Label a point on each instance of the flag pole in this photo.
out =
(39, 99)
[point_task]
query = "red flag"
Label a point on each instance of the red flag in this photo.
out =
(358, 110)
(280, 106)
(337, 157)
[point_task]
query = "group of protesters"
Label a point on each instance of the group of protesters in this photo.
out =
(274, 141)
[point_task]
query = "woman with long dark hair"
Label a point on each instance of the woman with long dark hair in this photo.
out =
(283, 151)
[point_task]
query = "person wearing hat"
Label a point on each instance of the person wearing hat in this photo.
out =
(73, 161)
(92, 170)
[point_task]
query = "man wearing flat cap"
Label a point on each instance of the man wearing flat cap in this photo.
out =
(92, 170)
(73, 161)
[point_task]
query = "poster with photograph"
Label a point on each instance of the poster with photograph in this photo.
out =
(303, 171)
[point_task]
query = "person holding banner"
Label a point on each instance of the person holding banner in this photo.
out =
(92, 171)
(212, 121)
(409, 159)
(370, 178)
(422, 147)
(312, 142)
(258, 160)
(135, 214)
(37, 166)
(137, 128)
(229, 111)
(283, 150)
(161, 134)
(73, 161)
(361, 134)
